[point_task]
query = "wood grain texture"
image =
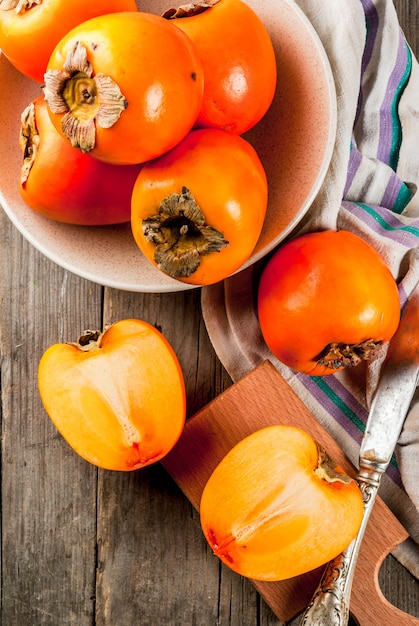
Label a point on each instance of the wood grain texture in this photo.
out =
(260, 399)
(85, 547)
(48, 494)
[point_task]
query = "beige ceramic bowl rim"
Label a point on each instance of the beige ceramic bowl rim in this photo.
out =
(329, 145)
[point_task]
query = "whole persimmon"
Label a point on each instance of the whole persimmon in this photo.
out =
(30, 29)
(117, 397)
(277, 506)
(326, 300)
(238, 59)
(198, 210)
(66, 185)
(125, 87)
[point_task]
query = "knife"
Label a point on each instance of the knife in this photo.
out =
(396, 387)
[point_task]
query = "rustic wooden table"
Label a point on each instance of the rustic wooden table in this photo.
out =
(88, 547)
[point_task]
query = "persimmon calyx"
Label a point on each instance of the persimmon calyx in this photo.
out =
(189, 10)
(28, 141)
(88, 341)
(181, 235)
(327, 469)
(86, 100)
(20, 6)
(337, 355)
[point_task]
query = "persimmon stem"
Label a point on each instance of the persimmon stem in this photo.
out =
(327, 469)
(90, 340)
(337, 355)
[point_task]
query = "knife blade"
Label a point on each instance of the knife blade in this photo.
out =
(389, 407)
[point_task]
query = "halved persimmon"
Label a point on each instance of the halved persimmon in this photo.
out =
(117, 397)
(277, 506)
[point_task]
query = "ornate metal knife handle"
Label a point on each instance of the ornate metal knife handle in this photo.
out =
(330, 602)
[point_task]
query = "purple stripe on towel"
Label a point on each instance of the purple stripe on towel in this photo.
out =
(390, 196)
(355, 160)
(346, 398)
(371, 18)
(385, 223)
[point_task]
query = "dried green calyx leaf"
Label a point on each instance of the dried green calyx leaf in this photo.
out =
(28, 141)
(188, 10)
(85, 100)
(181, 235)
(20, 6)
(337, 355)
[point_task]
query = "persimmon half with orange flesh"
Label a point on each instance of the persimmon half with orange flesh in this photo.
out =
(117, 397)
(277, 506)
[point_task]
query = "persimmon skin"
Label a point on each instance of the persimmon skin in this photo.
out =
(68, 186)
(266, 512)
(228, 181)
(120, 406)
(324, 287)
(239, 65)
(28, 38)
(156, 69)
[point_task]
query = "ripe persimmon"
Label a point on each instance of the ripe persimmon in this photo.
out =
(277, 506)
(30, 29)
(198, 210)
(117, 397)
(326, 300)
(125, 87)
(238, 59)
(65, 185)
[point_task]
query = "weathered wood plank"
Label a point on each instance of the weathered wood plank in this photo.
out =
(48, 493)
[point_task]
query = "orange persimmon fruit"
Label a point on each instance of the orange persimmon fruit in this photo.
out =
(125, 87)
(66, 185)
(30, 29)
(326, 301)
(117, 397)
(277, 506)
(238, 59)
(198, 210)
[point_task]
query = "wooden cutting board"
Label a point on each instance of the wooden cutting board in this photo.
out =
(260, 399)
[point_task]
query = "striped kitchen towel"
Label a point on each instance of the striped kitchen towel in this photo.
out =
(370, 189)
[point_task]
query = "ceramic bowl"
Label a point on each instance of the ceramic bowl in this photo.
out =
(294, 141)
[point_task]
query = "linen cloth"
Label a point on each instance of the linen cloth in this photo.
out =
(371, 189)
